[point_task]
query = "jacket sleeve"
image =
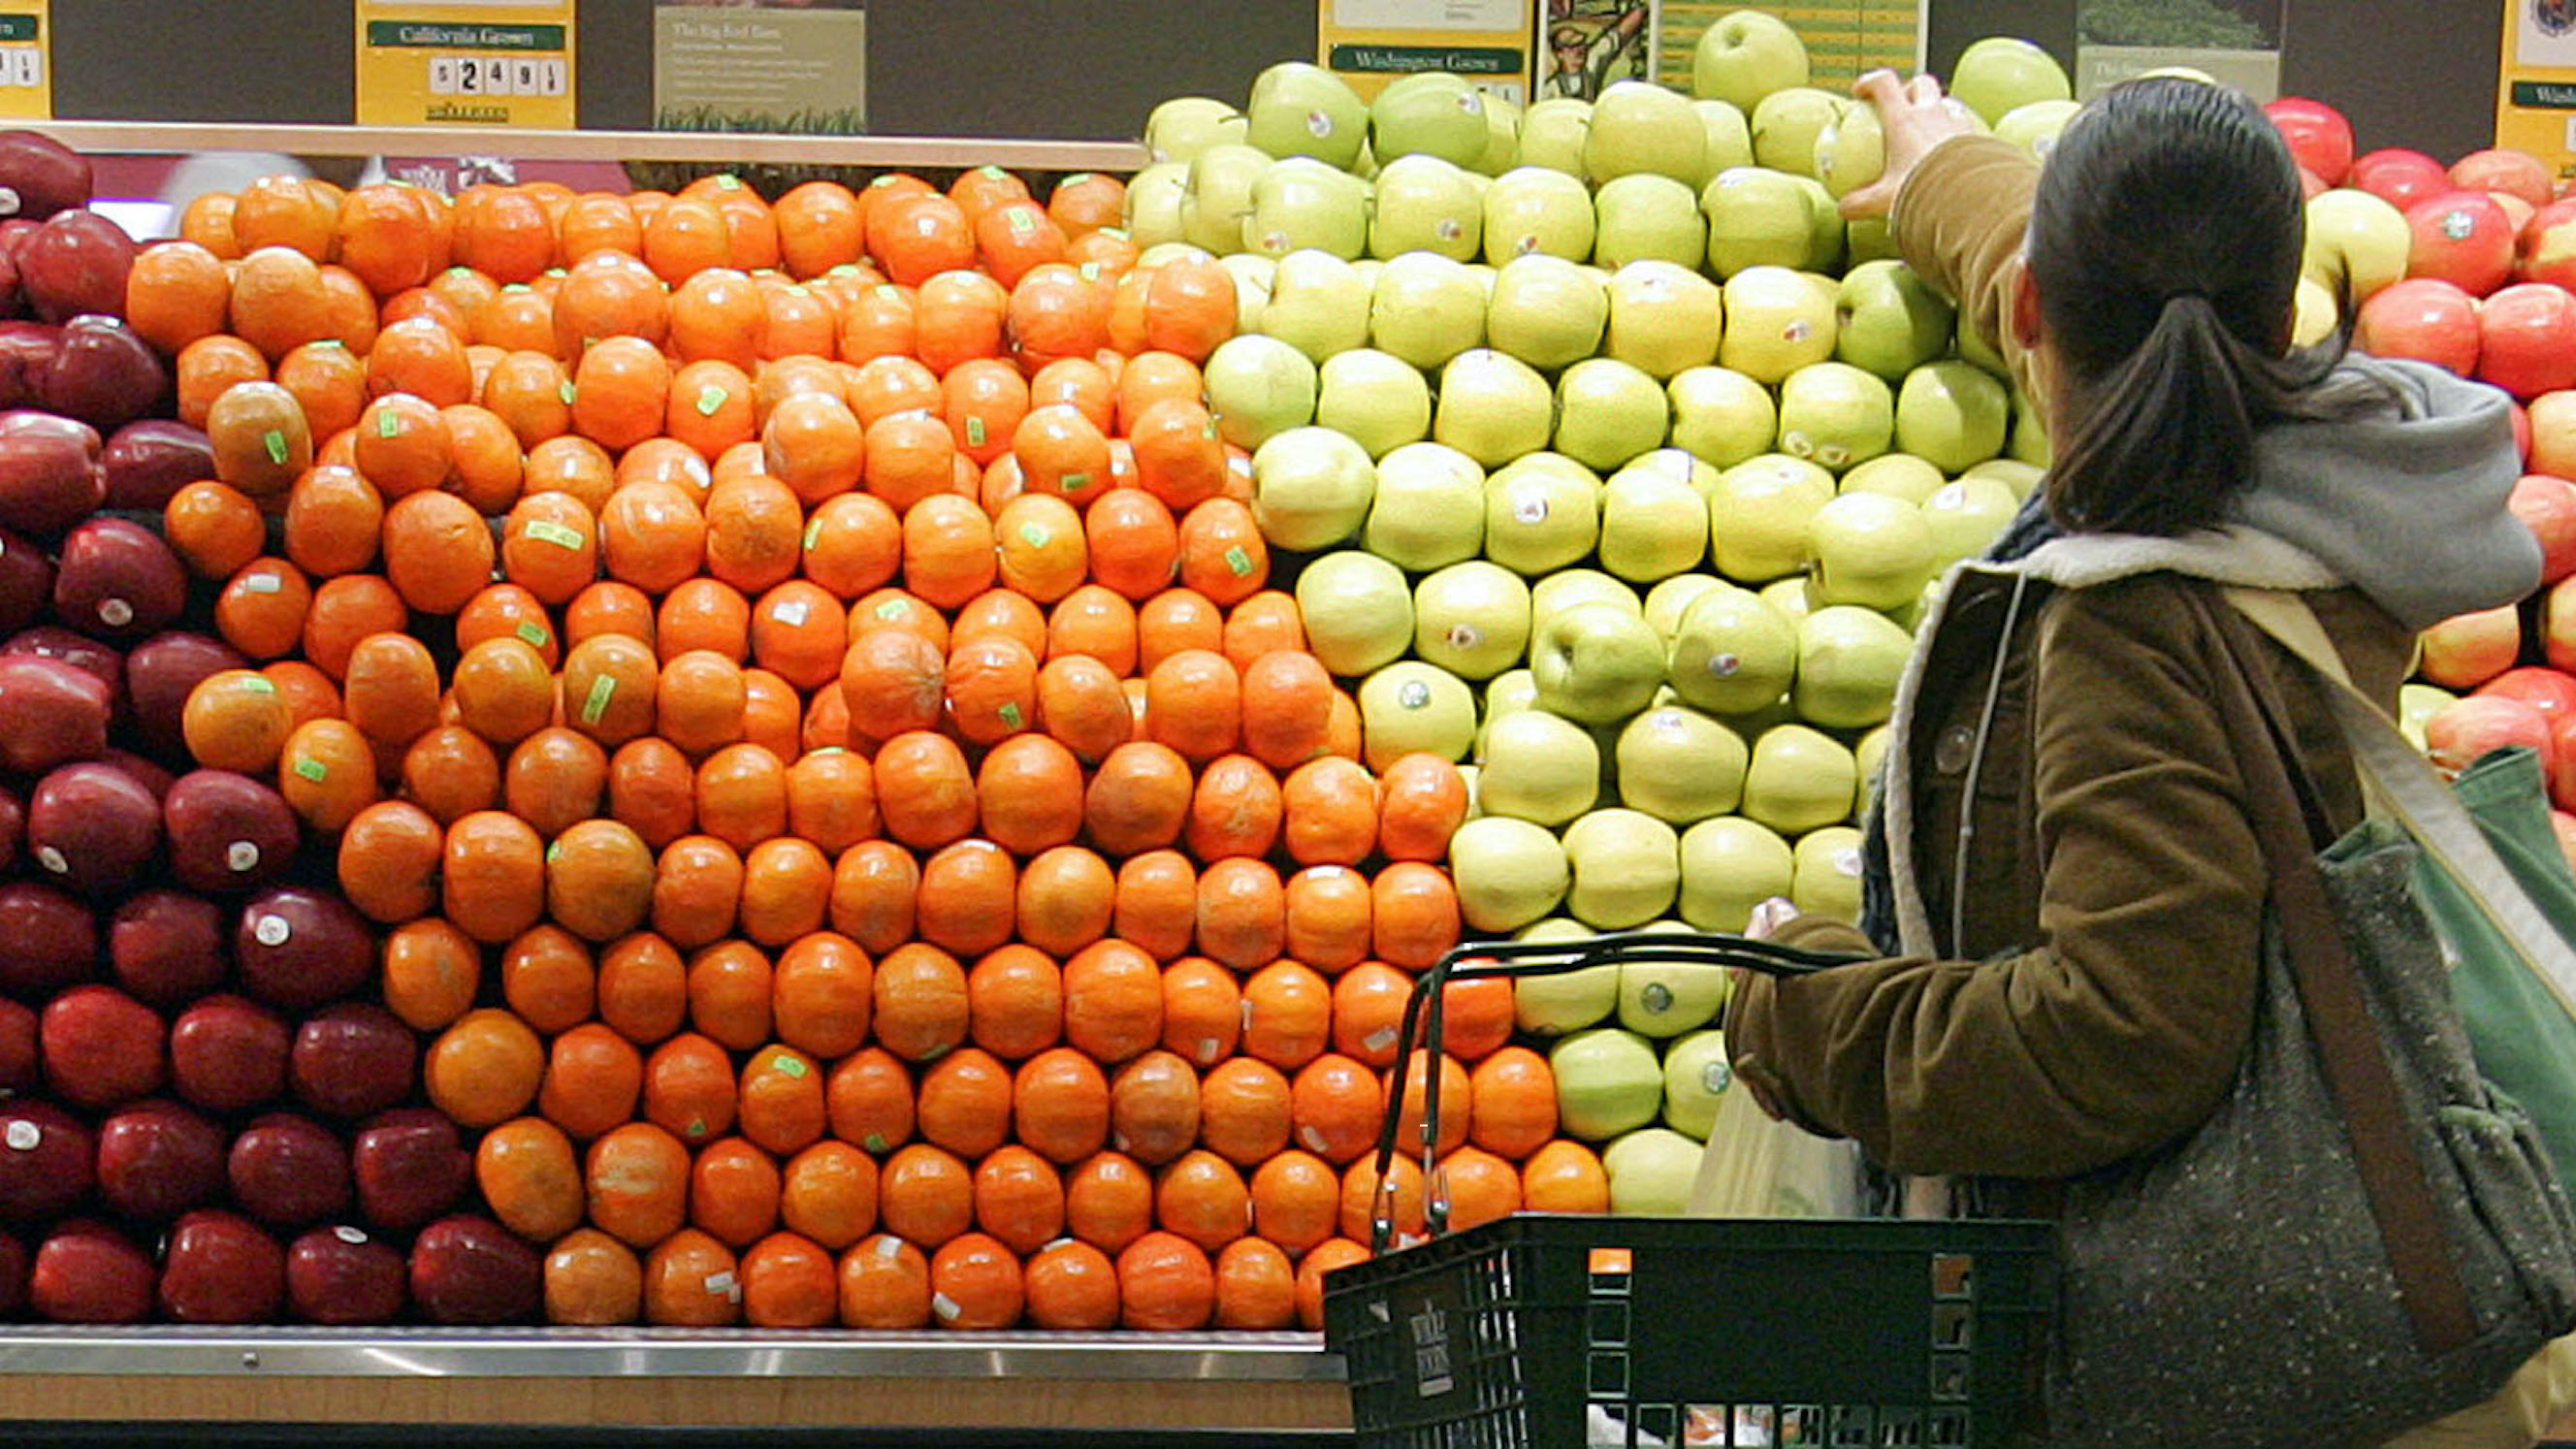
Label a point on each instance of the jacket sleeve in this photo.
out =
(1960, 220)
(2123, 1029)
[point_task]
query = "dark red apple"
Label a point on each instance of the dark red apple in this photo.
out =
(2399, 176)
(410, 1166)
(104, 374)
(2547, 506)
(2428, 318)
(2318, 134)
(22, 1066)
(50, 713)
(227, 831)
(26, 582)
(40, 175)
(288, 1171)
(53, 941)
(158, 1159)
(117, 580)
(354, 1059)
(13, 1276)
(471, 1270)
(151, 459)
(2527, 339)
(88, 1272)
(228, 1054)
(93, 827)
(102, 1048)
(159, 674)
(2515, 173)
(47, 1162)
(2463, 237)
(13, 829)
(101, 661)
(50, 476)
(166, 947)
(75, 263)
(342, 1277)
(297, 948)
(221, 1267)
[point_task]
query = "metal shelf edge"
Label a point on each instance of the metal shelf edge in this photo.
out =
(720, 147)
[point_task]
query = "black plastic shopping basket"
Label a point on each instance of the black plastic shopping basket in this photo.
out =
(1559, 1331)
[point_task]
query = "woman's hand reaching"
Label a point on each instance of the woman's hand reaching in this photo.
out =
(1915, 117)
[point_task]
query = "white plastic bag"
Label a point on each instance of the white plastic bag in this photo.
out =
(1756, 1166)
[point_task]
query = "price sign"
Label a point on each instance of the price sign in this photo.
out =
(26, 60)
(1370, 43)
(465, 63)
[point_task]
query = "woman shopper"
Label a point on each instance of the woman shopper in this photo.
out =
(2068, 871)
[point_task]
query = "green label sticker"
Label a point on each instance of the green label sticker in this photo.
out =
(546, 530)
(1090, 271)
(989, 171)
(892, 609)
(975, 432)
(1239, 561)
(1076, 482)
(813, 533)
(553, 851)
(1021, 223)
(516, 287)
(787, 1062)
(388, 424)
(564, 390)
(263, 583)
(829, 750)
(1035, 535)
(602, 690)
(1010, 715)
(332, 342)
(711, 398)
(889, 291)
(1118, 233)
(260, 684)
(875, 1142)
(729, 182)
(534, 634)
(313, 770)
(798, 289)
(276, 446)
(1076, 179)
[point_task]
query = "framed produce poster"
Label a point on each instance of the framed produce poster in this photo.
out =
(1587, 46)
(2536, 92)
(800, 68)
(465, 63)
(2235, 41)
(1370, 43)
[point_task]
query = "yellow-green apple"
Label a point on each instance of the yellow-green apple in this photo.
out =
(1696, 1073)
(2357, 242)
(1553, 132)
(1378, 401)
(1759, 512)
(1729, 866)
(1537, 766)
(1596, 663)
(1654, 524)
(1664, 319)
(1777, 321)
(1429, 113)
(1542, 513)
(1898, 475)
(1311, 488)
(1757, 217)
(1426, 204)
(1608, 412)
(1626, 867)
(1849, 659)
(1429, 508)
(1680, 765)
(1835, 415)
(1890, 321)
(1410, 707)
(1546, 311)
(1639, 127)
(1746, 55)
(1508, 872)
(1722, 416)
(2000, 74)
(1646, 215)
(1729, 138)
(1258, 387)
(1426, 309)
(1180, 128)
(1298, 108)
(1952, 415)
(1608, 1081)
(1825, 878)
(1472, 619)
(1732, 653)
(1533, 209)
(1799, 780)
(1358, 611)
(1785, 125)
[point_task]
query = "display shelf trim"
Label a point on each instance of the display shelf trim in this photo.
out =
(720, 147)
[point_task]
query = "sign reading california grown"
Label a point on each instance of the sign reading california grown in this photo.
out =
(465, 63)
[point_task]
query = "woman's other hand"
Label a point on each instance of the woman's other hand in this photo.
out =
(1915, 117)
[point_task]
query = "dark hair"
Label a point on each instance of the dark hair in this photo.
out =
(2166, 239)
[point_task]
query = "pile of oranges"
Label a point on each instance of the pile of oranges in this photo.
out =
(802, 692)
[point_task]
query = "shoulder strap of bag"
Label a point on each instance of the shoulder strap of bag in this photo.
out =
(2404, 784)
(2349, 1051)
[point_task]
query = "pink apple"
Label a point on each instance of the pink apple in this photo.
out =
(2562, 773)
(2483, 723)
(2428, 318)
(2463, 237)
(2551, 691)
(2547, 506)
(2398, 176)
(2552, 423)
(2318, 135)
(2466, 650)
(2548, 244)
(2558, 625)
(2514, 173)
(2527, 339)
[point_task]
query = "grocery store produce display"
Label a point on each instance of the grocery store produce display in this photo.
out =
(890, 758)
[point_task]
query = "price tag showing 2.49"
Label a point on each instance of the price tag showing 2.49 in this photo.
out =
(465, 63)
(26, 60)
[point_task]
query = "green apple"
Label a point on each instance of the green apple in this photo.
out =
(1426, 309)
(1975, 347)
(1849, 659)
(1745, 56)
(1799, 780)
(1671, 599)
(1789, 597)
(1664, 319)
(1722, 416)
(1667, 998)
(1758, 516)
(1654, 524)
(1253, 276)
(1826, 878)
(2022, 477)
(1502, 137)
(1729, 866)
(1646, 215)
(1826, 232)
(1311, 488)
(1508, 872)
(1851, 151)
(1732, 652)
(1728, 135)
(1869, 239)
(1565, 1001)
(1152, 211)
(1542, 513)
(1538, 767)
(1867, 758)
(1379, 401)
(1508, 693)
(1680, 765)
(1567, 588)
(1898, 475)
(1967, 516)
(1493, 407)
(1426, 204)
(1429, 510)
(1301, 202)
(2000, 74)
(1608, 1082)
(1596, 662)
(1221, 183)
(1952, 414)
(1410, 707)
(2314, 313)
(1432, 113)
(1608, 412)
(1626, 868)
(2029, 444)
(1786, 124)
(1871, 550)
(1258, 387)
(1358, 611)
(1696, 1074)
(2357, 243)
(1180, 128)
(1835, 415)
(1301, 109)
(1553, 132)
(2035, 126)
(1546, 311)
(1889, 320)
(1657, 1166)
(1757, 217)
(1472, 619)
(1639, 127)
(1364, 166)
(1777, 321)
(1533, 209)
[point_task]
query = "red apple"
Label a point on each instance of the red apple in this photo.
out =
(2318, 134)
(288, 1171)
(221, 1268)
(470, 1269)
(353, 1060)
(2481, 724)
(2553, 432)
(160, 673)
(47, 1162)
(228, 1054)
(102, 1047)
(26, 582)
(2527, 339)
(88, 1272)
(297, 948)
(13, 1276)
(50, 474)
(53, 941)
(93, 827)
(75, 263)
(158, 1159)
(27, 349)
(101, 661)
(117, 580)
(148, 460)
(411, 1167)
(2562, 778)
(40, 175)
(227, 831)
(341, 1277)
(50, 713)
(2547, 506)
(13, 829)
(2551, 691)
(2398, 176)
(2429, 318)
(104, 374)
(166, 947)
(2467, 650)
(2548, 244)
(22, 1067)
(2462, 237)
(2514, 173)
(2311, 185)
(2558, 625)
